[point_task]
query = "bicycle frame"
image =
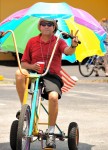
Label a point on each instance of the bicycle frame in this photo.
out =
(93, 64)
(26, 127)
(34, 88)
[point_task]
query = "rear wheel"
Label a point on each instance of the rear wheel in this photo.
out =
(13, 134)
(23, 141)
(86, 67)
(73, 136)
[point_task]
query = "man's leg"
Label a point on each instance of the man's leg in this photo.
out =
(53, 108)
(20, 83)
(106, 64)
(53, 112)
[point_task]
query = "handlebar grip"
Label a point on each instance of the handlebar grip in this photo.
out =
(1, 34)
(67, 35)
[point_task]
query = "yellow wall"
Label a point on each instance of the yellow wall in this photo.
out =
(97, 8)
(6, 56)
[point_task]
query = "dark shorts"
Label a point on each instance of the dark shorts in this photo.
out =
(52, 82)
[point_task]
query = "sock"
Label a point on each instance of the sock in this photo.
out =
(51, 129)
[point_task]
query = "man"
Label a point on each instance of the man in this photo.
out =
(104, 24)
(39, 48)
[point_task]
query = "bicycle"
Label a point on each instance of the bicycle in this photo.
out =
(90, 65)
(26, 128)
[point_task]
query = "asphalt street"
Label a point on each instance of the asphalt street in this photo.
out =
(86, 104)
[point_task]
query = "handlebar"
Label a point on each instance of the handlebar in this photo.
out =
(1, 34)
(15, 45)
(67, 35)
(18, 59)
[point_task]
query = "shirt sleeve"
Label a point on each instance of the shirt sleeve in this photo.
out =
(62, 45)
(26, 56)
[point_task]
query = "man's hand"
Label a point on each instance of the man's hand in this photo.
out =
(36, 67)
(70, 50)
(75, 38)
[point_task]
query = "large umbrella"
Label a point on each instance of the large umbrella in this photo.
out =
(24, 24)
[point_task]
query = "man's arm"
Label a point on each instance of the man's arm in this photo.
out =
(70, 50)
(25, 65)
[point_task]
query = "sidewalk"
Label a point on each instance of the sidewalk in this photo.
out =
(8, 73)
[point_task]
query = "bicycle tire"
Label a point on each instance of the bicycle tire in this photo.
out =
(13, 134)
(23, 142)
(85, 68)
(73, 136)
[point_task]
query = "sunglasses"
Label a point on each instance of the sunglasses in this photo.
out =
(49, 24)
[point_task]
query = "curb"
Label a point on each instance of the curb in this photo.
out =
(94, 81)
(6, 81)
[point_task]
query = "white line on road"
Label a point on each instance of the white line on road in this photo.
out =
(78, 96)
(89, 93)
(1, 104)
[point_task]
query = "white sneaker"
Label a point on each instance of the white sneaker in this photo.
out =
(106, 74)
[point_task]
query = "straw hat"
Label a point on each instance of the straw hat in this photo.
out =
(49, 20)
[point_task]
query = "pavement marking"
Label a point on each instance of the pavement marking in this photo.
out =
(90, 93)
(9, 84)
(78, 96)
(1, 104)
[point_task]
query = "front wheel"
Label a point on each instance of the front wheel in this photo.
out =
(86, 67)
(23, 141)
(73, 136)
(13, 134)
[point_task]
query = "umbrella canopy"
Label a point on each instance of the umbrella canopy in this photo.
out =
(24, 24)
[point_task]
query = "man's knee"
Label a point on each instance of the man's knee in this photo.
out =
(53, 96)
(19, 75)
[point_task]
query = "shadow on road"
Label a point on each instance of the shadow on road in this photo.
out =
(84, 146)
(60, 146)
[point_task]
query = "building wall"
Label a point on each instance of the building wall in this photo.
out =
(97, 8)
(6, 56)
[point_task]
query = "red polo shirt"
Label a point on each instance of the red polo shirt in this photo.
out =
(38, 50)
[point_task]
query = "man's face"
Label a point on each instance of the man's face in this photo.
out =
(47, 27)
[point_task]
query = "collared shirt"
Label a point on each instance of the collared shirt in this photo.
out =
(38, 50)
